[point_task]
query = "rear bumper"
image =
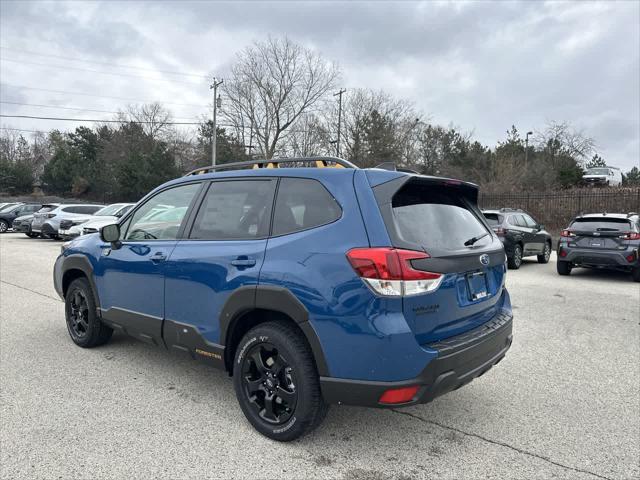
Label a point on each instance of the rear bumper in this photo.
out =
(599, 258)
(460, 360)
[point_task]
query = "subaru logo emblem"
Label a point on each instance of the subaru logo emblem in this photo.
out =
(484, 259)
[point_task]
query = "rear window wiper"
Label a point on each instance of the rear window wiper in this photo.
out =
(473, 240)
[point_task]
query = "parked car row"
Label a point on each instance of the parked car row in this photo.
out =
(59, 221)
(596, 240)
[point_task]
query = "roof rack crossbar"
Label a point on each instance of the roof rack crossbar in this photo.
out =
(273, 163)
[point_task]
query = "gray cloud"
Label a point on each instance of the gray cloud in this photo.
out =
(479, 65)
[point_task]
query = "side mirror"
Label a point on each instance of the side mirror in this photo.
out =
(540, 226)
(111, 234)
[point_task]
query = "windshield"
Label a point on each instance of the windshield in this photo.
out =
(108, 210)
(600, 224)
(8, 207)
(435, 217)
(598, 171)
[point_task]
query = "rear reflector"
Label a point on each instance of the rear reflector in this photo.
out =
(399, 395)
(388, 271)
(563, 252)
(632, 257)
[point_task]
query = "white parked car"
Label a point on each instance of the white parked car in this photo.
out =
(91, 224)
(603, 177)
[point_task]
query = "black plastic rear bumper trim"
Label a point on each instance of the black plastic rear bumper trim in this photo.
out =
(460, 359)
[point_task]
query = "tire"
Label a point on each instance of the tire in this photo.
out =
(300, 407)
(515, 260)
(544, 258)
(564, 268)
(635, 274)
(85, 328)
(4, 226)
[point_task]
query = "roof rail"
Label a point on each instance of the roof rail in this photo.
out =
(507, 209)
(317, 162)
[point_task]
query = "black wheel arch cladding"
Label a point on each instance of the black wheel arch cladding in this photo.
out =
(273, 299)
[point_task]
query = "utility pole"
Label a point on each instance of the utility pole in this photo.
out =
(216, 102)
(339, 94)
(526, 149)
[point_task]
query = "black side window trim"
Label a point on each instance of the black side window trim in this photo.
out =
(201, 197)
(275, 199)
(185, 219)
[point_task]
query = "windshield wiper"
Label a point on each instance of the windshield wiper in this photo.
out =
(473, 240)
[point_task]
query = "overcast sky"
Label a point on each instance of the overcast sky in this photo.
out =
(481, 66)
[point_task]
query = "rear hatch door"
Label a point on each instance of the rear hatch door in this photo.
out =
(441, 217)
(599, 233)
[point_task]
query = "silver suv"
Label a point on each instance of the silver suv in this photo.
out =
(47, 224)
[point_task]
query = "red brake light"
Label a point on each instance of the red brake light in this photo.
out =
(388, 264)
(399, 395)
(631, 236)
(388, 271)
(567, 233)
(500, 231)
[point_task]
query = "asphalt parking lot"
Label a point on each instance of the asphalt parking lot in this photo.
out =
(565, 402)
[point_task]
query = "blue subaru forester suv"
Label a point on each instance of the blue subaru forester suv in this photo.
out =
(310, 285)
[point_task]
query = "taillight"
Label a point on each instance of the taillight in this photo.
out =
(501, 232)
(567, 233)
(51, 215)
(631, 236)
(388, 271)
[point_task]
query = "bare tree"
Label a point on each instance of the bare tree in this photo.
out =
(272, 84)
(560, 138)
(153, 117)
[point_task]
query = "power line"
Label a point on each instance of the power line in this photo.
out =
(22, 130)
(77, 109)
(94, 120)
(68, 67)
(57, 107)
(50, 55)
(103, 96)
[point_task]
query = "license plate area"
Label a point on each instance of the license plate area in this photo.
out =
(477, 286)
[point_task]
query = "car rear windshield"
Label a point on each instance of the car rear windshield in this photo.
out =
(47, 208)
(600, 224)
(435, 217)
(493, 219)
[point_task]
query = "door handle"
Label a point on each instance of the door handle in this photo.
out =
(243, 262)
(158, 257)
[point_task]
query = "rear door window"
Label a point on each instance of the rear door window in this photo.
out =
(303, 203)
(235, 210)
(436, 217)
(601, 224)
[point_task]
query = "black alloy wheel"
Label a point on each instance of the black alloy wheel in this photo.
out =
(78, 314)
(84, 326)
(269, 383)
(277, 382)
